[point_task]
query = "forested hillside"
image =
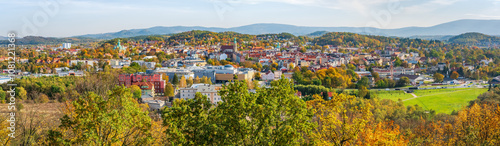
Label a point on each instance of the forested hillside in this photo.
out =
(475, 39)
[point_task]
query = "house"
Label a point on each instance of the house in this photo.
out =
(269, 75)
(155, 105)
(147, 88)
(414, 79)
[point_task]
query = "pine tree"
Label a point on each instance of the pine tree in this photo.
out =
(175, 80)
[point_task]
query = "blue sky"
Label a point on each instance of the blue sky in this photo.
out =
(62, 18)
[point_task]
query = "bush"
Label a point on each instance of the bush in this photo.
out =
(43, 98)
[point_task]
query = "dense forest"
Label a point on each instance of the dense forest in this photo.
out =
(475, 39)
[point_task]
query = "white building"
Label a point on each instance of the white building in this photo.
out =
(84, 62)
(205, 89)
(222, 56)
(269, 75)
(66, 45)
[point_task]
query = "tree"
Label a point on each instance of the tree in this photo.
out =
(403, 81)
(438, 78)
(95, 120)
(363, 82)
(3, 94)
(209, 81)
(188, 121)
(257, 75)
(169, 90)
(339, 120)
(273, 124)
(197, 80)
(291, 66)
(375, 75)
(182, 82)
(382, 134)
(42, 98)
(165, 77)
(136, 91)
(175, 80)
(204, 79)
(363, 92)
(454, 75)
(21, 93)
(189, 81)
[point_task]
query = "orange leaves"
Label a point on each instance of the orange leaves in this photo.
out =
(382, 134)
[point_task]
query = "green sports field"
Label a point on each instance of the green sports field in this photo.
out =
(440, 100)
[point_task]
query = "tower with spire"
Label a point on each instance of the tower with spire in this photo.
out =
(235, 46)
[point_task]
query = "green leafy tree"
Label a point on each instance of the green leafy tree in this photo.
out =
(188, 123)
(3, 94)
(403, 81)
(136, 91)
(95, 120)
(363, 82)
(175, 80)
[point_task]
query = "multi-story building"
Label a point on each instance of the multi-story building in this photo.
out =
(170, 72)
(205, 89)
(155, 79)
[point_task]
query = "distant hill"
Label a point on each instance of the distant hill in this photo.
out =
(3, 38)
(476, 39)
(432, 37)
(34, 40)
(489, 27)
(317, 34)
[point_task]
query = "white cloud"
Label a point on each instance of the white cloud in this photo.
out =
(359, 6)
(429, 6)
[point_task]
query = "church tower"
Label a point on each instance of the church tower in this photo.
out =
(235, 46)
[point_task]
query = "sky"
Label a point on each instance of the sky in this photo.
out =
(64, 18)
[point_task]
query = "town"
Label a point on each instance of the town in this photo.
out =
(247, 72)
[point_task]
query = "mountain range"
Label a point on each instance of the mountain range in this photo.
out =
(443, 31)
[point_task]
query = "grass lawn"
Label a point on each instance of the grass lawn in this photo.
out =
(430, 86)
(392, 95)
(445, 100)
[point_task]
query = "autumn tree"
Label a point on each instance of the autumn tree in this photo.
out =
(383, 133)
(438, 78)
(169, 90)
(197, 80)
(21, 93)
(339, 120)
(203, 80)
(182, 82)
(189, 81)
(257, 75)
(165, 77)
(454, 75)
